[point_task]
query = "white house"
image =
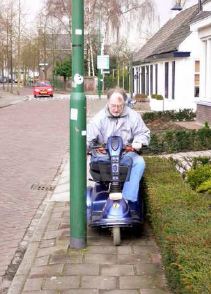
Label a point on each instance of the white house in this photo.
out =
(202, 25)
(168, 64)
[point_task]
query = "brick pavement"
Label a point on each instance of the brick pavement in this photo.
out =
(50, 266)
(34, 139)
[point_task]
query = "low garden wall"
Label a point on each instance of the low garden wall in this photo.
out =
(203, 113)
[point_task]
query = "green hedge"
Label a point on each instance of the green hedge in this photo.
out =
(181, 221)
(157, 96)
(170, 115)
(179, 141)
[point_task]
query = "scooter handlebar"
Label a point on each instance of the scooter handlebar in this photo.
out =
(101, 148)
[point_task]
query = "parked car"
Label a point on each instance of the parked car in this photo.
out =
(3, 79)
(43, 88)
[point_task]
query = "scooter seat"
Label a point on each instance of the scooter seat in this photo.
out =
(101, 172)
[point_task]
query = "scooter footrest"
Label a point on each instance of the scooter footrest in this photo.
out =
(115, 196)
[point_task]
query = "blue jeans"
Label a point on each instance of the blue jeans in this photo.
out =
(131, 187)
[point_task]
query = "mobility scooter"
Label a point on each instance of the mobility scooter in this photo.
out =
(106, 208)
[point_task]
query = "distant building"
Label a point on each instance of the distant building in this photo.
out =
(169, 64)
(202, 25)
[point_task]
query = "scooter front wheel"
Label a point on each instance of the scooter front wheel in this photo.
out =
(116, 235)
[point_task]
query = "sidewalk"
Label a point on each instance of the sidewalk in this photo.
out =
(7, 98)
(50, 266)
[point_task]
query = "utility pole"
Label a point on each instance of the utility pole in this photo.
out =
(19, 41)
(99, 74)
(78, 132)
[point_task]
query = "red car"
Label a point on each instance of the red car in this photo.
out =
(43, 89)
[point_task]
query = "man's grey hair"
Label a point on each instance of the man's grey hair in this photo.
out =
(117, 90)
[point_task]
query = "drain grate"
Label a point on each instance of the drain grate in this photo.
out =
(43, 187)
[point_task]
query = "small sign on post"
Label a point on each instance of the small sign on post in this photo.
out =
(103, 61)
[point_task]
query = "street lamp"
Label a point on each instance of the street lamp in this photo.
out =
(178, 6)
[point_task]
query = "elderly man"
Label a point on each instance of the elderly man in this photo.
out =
(117, 119)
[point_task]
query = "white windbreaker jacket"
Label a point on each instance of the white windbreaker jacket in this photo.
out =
(129, 126)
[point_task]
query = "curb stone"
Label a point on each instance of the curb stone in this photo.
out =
(25, 266)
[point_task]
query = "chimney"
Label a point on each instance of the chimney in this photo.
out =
(200, 5)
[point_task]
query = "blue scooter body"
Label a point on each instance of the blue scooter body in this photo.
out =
(109, 177)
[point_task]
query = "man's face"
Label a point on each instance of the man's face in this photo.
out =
(116, 104)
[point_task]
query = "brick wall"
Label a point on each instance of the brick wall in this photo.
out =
(203, 112)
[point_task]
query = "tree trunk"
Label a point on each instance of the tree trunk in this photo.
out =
(65, 83)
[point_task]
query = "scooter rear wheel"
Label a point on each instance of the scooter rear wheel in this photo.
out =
(116, 235)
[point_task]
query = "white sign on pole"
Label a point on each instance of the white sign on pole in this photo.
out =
(103, 61)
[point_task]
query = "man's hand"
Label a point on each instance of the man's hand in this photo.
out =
(137, 146)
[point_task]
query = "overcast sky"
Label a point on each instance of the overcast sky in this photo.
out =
(163, 7)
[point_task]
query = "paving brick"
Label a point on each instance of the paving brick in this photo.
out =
(46, 271)
(101, 282)
(81, 291)
(81, 269)
(33, 285)
(133, 259)
(148, 269)
(100, 258)
(41, 292)
(70, 256)
(117, 270)
(102, 249)
(61, 283)
(48, 251)
(154, 291)
(145, 249)
(40, 261)
(137, 282)
(124, 250)
(120, 292)
(47, 243)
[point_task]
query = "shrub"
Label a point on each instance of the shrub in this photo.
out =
(170, 115)
(141, 98)
(205, 187)
(180, 220)
(195, 177)
(180, 140)
(157, 96)
(196, 161)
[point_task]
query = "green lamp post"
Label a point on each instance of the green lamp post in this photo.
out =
(78, 132)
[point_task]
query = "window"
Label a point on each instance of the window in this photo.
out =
(166, 79)
(147, 92)
(143, 80)
(151, 79)
(173, 80)
(197, 78)
(156, 79)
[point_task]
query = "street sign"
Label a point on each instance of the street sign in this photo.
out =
(103, 61)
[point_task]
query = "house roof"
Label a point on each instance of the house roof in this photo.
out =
(169, 37)
(201, 15)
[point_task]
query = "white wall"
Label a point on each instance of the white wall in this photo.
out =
(203, 29)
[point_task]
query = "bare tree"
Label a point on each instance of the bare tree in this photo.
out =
(103, 20)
